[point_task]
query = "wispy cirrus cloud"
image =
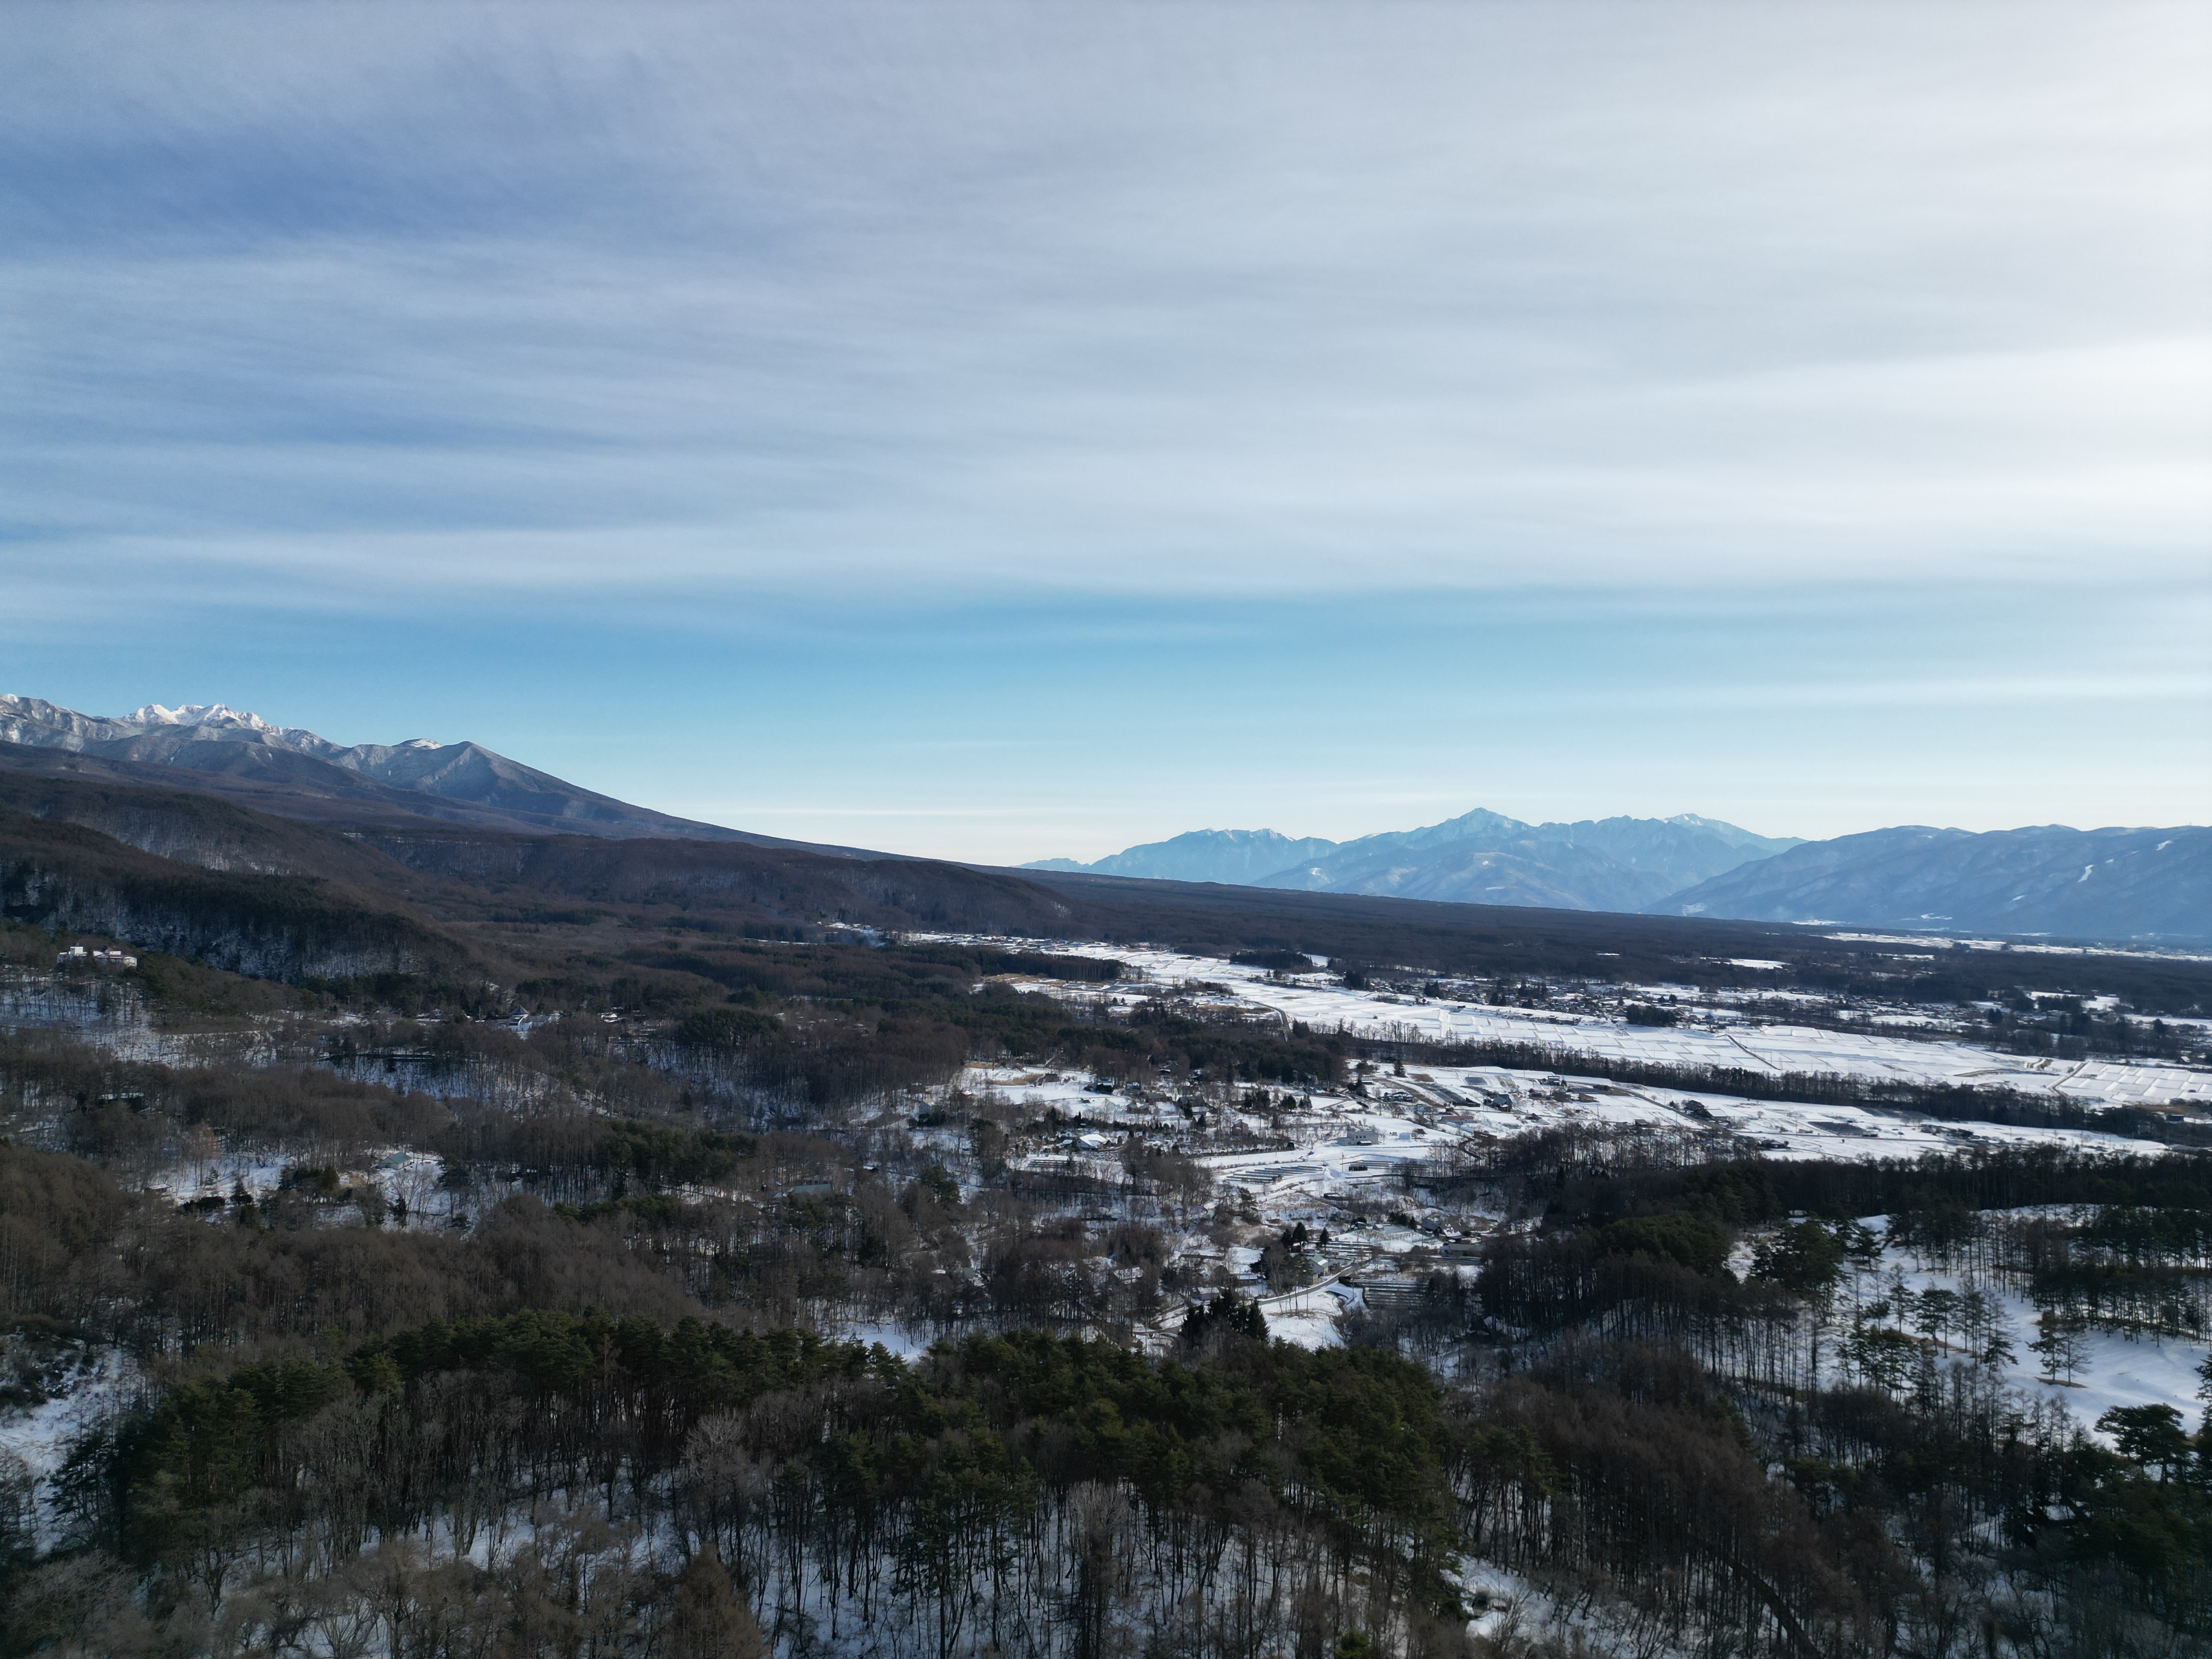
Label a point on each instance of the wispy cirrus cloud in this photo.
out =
(1113, 300)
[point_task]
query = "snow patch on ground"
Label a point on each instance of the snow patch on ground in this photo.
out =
(2117, 1369)
(904, 1341)
(85, 1386)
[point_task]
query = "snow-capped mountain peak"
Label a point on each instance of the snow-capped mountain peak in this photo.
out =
(212, 718)
(201, 729)
(197, 714)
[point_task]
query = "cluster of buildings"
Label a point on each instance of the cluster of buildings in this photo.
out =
(103, 958)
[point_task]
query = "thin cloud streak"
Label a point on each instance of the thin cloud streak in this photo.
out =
(1082, 309)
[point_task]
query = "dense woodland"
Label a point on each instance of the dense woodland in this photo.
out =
(552, 1334)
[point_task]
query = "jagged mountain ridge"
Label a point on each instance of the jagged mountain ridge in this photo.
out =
(1479, 857)
(210, 749)
(2146, 884)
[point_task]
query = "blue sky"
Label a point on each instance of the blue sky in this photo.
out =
(1001, 431)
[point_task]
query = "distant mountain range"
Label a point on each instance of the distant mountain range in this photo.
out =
(1483, 858)
(2146, 885)
(212, 750)
(1478, 858)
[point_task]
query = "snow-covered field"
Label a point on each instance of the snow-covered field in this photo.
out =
(1489, 1101)
(1728, 1041)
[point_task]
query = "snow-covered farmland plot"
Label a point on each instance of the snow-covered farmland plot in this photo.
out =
(1715, 1033)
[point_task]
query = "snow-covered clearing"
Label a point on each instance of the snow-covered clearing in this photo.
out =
(1308, 1317)
(2116, 1369)
(1730, 1043)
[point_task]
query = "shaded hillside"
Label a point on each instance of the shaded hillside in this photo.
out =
(195, 829)
(771, 883)
(282, 926)
(273, 898)
(2080, 884)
